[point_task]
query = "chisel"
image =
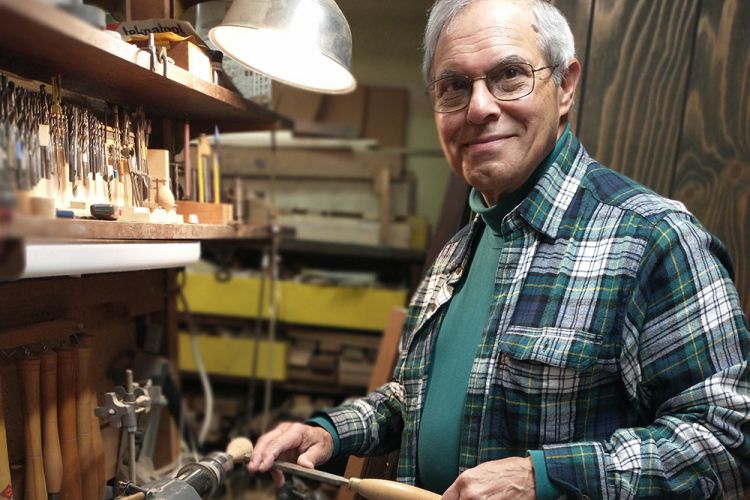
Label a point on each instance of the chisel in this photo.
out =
(374, 489)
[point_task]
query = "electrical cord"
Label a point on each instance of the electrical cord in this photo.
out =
(205, 382)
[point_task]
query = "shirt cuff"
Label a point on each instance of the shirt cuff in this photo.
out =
(545, 490)
(325, 423)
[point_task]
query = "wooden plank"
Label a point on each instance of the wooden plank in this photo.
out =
(634, 91)
(385, 116)
(48, 299)
(53, 331)
(333, 196)
(578, 13)
(303, 163)
(37, 228)
(713, 162)
(348, 109)
(346, 230)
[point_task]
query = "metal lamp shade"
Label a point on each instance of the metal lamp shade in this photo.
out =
(304, 43)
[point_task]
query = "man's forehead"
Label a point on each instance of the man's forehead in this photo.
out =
(493, 23)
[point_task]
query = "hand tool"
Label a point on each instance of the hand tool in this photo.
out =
(104, 211)
(53, 465)
(215, 158)
(187, 195)
(66, 423)
(89, 480)
(28, 373)
(6, 489)
(374, 489)
(201, 173)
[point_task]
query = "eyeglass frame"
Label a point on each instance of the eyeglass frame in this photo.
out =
(534, 71)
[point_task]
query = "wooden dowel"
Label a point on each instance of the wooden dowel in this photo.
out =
(89, 471)
(98, 446)
(28, 373)
(53, 465)
(66, 420)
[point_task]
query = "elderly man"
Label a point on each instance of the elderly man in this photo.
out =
(582, 336)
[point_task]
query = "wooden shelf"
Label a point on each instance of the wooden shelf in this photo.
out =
(38, 41)
(38, 229)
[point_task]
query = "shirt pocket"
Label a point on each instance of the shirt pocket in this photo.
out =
(559, 347)
(545, 382)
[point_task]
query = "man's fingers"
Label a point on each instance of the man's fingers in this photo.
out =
(271, 445)
(278, 477)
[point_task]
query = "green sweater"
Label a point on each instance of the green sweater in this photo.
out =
(455, 349)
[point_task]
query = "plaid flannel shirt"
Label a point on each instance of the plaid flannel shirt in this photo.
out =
(615, 344)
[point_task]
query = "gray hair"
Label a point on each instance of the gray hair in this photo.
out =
(555, 38)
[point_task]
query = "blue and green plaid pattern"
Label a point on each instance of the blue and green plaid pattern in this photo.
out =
(616, 344)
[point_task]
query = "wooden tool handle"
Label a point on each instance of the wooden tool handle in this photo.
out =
(89, 472)
(66, 422)
(28, 372)
(187, 195)
(97, 444)
(6, 490)
(53, 465)
(381, 489)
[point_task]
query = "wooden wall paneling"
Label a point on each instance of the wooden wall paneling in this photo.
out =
(713, 162)
(578, 13)
(638, 62)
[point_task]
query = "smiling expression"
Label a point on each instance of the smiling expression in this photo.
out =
(496, 145)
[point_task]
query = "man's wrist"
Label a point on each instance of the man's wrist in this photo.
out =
(545, 489)
(325, 423)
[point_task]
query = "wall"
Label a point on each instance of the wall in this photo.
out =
(663, 99)
(387, 36)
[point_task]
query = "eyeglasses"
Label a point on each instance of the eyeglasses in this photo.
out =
(506, 82)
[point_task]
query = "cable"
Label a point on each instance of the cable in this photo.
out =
(205, 382)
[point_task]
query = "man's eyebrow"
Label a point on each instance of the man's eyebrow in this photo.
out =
(511, 59)
(448, 72)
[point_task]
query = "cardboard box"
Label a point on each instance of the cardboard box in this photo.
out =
(190, 57)
(207, 213)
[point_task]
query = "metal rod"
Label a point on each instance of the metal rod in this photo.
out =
(317, 475)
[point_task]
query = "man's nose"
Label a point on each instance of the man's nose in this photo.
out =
(482, 104)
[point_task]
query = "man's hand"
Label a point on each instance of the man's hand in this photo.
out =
(303, 444)
(511, 478)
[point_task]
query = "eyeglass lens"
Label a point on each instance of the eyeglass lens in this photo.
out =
(505, 82)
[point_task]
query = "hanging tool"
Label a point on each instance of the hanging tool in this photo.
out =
(35, 487)
(188, 194)
(53, 464)
(200, 151)
(67, 422)
(374, 489)
(215, 158)
(6, 489)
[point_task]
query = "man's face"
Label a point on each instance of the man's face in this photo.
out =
(496, 145)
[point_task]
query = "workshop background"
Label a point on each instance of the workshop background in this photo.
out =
(275, 284)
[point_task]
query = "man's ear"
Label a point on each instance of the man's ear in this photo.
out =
(568, 86)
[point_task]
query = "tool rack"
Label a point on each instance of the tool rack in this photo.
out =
(43, 307)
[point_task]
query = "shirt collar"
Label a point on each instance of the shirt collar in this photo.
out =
(544, 207)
